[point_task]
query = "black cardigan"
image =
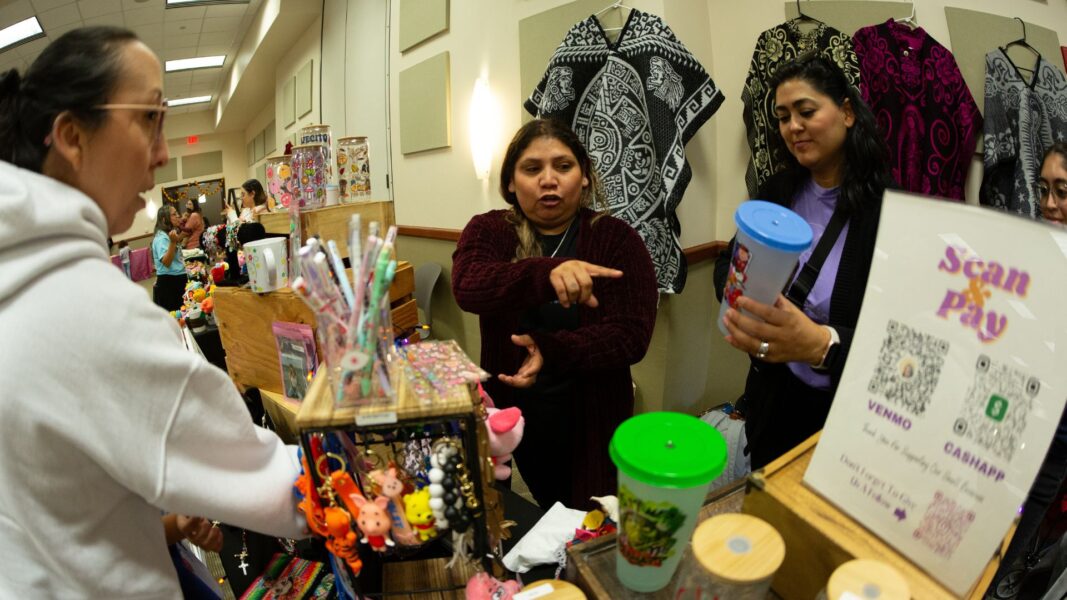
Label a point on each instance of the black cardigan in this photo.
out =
(856, 256)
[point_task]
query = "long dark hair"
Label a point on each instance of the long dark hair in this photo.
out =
(74, 73)
(866, 166)
(254, 187)
(592, 196)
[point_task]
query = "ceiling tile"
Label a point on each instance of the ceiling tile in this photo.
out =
(212, 49)
(179, 53)
(188, 27)
(53, 33)
(221, 24)
(30, 50)
(180, 78)
(113, 19)
(132, 4)
(181, 41)
(96, 8)
(150, 32)
(13, 12)
(218, 37)
(43, 5)
(144, 16)
(64, 15)
(184, 13)
(206, 75)
(227, 10)
(10, 60)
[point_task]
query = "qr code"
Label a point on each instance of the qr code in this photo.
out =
(909, 365)
(944, 525)
(994, 412)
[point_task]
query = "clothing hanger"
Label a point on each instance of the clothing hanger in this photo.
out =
(909, 20)
(1021, 42)
(617, 4)
(803, 17)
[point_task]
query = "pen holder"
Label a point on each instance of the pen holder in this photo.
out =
(360, 360)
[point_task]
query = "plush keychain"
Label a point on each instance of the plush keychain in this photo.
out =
(374, 522)
(485, 587)
(420, 515)
(341, 540)
(505, 432)
(393, 488)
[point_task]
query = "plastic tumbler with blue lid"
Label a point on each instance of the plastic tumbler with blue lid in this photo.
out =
(770, 238)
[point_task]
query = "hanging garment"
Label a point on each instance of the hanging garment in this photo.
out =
(774, 48)
(634, 103)
(922, 104)
(1021, 121)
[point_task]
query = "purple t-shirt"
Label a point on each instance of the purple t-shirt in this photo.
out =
(815, 205)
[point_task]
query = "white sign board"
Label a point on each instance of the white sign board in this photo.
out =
(954, 384)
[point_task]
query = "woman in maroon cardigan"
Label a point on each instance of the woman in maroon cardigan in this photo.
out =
(566, 299)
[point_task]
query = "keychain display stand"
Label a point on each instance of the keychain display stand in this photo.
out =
(458, 415)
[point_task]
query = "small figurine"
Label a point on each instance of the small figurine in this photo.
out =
(419, 514)
(505, 432)
(341, 541)
(485, 587)
(375, 523)
(393, 488)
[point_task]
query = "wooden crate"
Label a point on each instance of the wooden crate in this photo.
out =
(245, 319)
(819, 537)
(331, 222)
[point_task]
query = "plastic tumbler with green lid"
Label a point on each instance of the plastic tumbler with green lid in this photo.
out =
(666, 461)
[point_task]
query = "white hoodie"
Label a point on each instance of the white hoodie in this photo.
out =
(105, 418)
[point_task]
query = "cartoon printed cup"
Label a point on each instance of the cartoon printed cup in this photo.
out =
(278, 175)
(666, 461)
(770, 238)
(353, 168)
(308, 177)
(321, 135)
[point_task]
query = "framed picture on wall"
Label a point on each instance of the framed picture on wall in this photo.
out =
(303, 89)
(289, 102)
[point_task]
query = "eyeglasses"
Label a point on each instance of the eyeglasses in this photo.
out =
(1059, 191)
(154, 114)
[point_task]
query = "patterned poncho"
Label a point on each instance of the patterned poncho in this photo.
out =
(1021, 121)
(923, 106)
(634, 103)
(774, 48)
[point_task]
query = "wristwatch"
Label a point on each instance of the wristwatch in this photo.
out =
(831, 350)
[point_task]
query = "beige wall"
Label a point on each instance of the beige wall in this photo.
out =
(306, 48)
(688, 367)
(255, 126)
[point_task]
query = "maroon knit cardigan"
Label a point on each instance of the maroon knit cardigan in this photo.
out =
(486, 281)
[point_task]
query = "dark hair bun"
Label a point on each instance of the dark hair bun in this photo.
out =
(9, 83)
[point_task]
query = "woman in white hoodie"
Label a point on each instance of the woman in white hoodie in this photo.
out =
(105, 419)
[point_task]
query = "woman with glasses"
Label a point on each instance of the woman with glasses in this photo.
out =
(106, 419)
(1052, 186)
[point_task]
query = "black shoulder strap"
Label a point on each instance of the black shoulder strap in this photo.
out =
(798, 292)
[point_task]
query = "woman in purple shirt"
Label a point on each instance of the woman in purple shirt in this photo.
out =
(837, 166)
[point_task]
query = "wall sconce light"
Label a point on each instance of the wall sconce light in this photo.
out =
(150, 208)
(201, 198)
(484, 119)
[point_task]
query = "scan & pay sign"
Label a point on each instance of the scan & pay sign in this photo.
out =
(954, 384)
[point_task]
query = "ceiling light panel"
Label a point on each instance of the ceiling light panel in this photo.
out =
(183, 101)
(200, 62)
(20, 32)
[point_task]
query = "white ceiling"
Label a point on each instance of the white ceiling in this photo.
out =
(173, 33)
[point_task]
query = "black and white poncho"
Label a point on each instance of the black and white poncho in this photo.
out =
(634, 103)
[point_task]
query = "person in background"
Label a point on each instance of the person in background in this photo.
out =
(837, 166)
(1052, 186)
(193, 224)
(106, 422)
(124, 257)
(166, 254)
(253, 202)
(566, 299)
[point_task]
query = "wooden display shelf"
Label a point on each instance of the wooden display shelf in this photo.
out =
(245, 321)
(282, 412)
(819, 537)
(331, 222)
(319, 411)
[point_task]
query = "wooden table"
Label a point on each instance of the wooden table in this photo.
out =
(592, 565)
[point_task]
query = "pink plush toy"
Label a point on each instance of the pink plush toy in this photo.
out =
(374, 522)
(505, 432)
(484, 587)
